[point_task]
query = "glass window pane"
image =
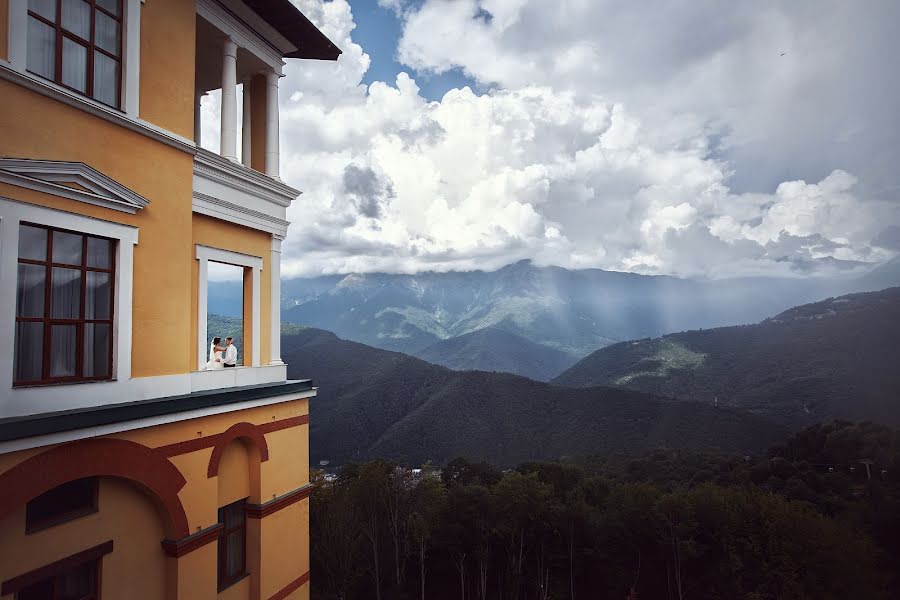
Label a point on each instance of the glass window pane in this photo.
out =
(99, 252)
(65, 293)
(96, 350)
(110, 5)
(62, 350)
(41, 59)
(235, 556)
(30, 291)
(32, 242)
(98, 293)
(66, 248)
(45, 8)
(29, 351)
(106, 79)
(74, 65)
(106, 33)
(37, 591)
(77, 583)
(76, 17)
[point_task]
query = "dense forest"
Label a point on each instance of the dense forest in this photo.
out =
(834, 359)
(816, 517)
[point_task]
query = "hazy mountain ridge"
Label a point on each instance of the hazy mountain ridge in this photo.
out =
(493, 349)
(572, 311)
(373, 402)
(836, 358)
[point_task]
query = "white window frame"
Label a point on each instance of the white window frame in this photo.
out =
(131, 55)
(12, 213)
(204, 254)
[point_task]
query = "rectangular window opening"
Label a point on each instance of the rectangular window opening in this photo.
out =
(64, 306)
(78, 44)
(225, 293)
(232, 543)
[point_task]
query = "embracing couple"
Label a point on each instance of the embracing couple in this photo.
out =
(219, 361)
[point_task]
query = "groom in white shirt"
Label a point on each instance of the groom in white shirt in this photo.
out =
(230, 358)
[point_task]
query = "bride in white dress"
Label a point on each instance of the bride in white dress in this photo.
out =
(215, 355)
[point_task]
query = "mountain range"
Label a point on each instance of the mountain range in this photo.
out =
(556, 315)
(833, 359)
(378, 403)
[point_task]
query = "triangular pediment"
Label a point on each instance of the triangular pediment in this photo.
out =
(72, 180)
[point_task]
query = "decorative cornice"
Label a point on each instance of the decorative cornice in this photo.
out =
(260, 511)
(178, 548)
(222, 209)
(226, 21)
(50, 177)
(235, 175)
(55, 92)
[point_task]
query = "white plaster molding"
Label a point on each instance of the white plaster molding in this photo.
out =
(232, 26)
(17, 40)
(90, 432)
(275, 309)
(205, 254)
(241, 215)
(49, 176)
(117, 117)
(211, 166)
(28, 400)
(131, 71)
(228, 257)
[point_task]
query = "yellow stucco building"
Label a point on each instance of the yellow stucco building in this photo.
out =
(128, 470)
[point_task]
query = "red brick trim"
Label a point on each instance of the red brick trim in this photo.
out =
(246, 431)
(15, 584)
(258, 511)
(284, 424)
(292, 586)
(178, 548)
(210, 441)
(108, 457)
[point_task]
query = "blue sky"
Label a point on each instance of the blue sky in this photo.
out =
(377, 30)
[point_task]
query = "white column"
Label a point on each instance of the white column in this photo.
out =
(197, 120)
(132, 68)
(202, 347)
(245, 125)
(275, 311)
(228, 148)
(255, 317)
(272, 123)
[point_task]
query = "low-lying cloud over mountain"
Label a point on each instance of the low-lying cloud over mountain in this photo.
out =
(708, 138)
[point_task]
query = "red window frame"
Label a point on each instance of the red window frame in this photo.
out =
(62, 32)
(226, 579)
(48, 320)
(37, 582)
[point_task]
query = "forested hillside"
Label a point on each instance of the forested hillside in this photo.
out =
(375, 403)
(804, 521)
(493, 349)
(832, 359)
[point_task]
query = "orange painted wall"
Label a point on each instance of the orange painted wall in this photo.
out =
(126, 516)
(4, 29)
(168, 33)
(212, 232)
(258, 123)
(282, 537)
(34, 126)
